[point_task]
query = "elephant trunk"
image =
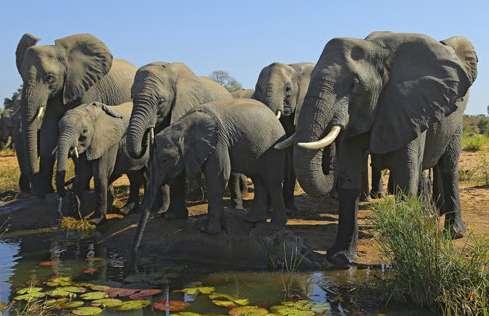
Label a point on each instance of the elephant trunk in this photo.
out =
(274, 98)
(64, 145)
(33, 107)
(139, 123)
(320, 115)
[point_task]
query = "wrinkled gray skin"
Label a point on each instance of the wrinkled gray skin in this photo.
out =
(77, 69)
(215, 139)
(399, 96)
(97, 132)
(282, 87)
(162, 93)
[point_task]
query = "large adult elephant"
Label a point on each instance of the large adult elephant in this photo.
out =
(162, 93)
(400, 96)
(282, 87)
(76, 69)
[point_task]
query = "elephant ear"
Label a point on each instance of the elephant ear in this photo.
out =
(27, 40)
(108, 130)
(426, 81)
(87, 60)
(199, 139)
(189, 93)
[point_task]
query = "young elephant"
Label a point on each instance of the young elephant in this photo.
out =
(217, 138)
(93, 133)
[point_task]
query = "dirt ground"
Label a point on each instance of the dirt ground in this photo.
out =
(317, 218)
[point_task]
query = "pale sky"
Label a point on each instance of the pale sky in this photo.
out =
(238, 37)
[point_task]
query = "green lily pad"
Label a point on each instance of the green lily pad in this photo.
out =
(226, 297)
(320, 308)
(223, 303)
(107, 302)
(28, 290)
(93, 296)
(87, 311)
(61, 293)
(248, 311)
(288, 310)
(95, 287)
(60, 281)
(198, 290)
(30, 296)
(73, 304)
(56, 303)
(72, 289)
(187, 314)
(132, 305)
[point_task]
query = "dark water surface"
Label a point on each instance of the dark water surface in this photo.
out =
(71, 256)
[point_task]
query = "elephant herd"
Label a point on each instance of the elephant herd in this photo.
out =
(399, 97)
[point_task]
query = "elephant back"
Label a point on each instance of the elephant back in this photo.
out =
(115, 87)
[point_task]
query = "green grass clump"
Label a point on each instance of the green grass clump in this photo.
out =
(428, 270)
(473, 143)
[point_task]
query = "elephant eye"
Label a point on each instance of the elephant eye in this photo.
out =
(50, 78)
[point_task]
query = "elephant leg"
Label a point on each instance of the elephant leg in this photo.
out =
(258, 212)
(177, 208)
(217, 171)
(42, 184)
(83, 172)
(135, 180)
(438, 196)
(273, 181)
(235, 191)
(406, 166)
(364, 191)
(350, 163)
(289, 181)
(448, 172)
(101, 189)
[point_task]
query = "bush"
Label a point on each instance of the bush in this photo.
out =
(428, 270)
(473, 142)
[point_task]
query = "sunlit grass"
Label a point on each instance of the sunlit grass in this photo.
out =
(474, 142)
(427, 269)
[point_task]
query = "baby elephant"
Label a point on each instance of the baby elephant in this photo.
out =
(94, 134)
(218, 138)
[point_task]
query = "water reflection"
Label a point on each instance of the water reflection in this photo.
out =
(8, 256)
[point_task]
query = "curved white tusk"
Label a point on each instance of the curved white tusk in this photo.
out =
(286, 143)
(151, 136)
(76, 153)
(323, 142)
(279, 114)
(40, 113)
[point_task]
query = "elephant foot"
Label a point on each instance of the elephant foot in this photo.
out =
(255, 216)
(456, 230)
(377, 194)
(291, 208)
(212, 227)
(279, 221)
(340, 259)
(130, 207)
(237, 205)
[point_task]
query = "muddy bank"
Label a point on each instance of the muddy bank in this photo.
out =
(241, 246)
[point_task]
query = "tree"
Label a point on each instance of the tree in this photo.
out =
(224, 79)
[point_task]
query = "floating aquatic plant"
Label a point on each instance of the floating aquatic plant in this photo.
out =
(87, 311)
(71, 223)
(172, 306)
(133, 305)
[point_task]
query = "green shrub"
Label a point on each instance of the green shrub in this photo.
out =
(428, 270)
(473, 142)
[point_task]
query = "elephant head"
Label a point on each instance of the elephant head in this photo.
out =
(390, 85)
(162, 92)
(89, 129)
(183, 146)
(282, 87)
(56, 74)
